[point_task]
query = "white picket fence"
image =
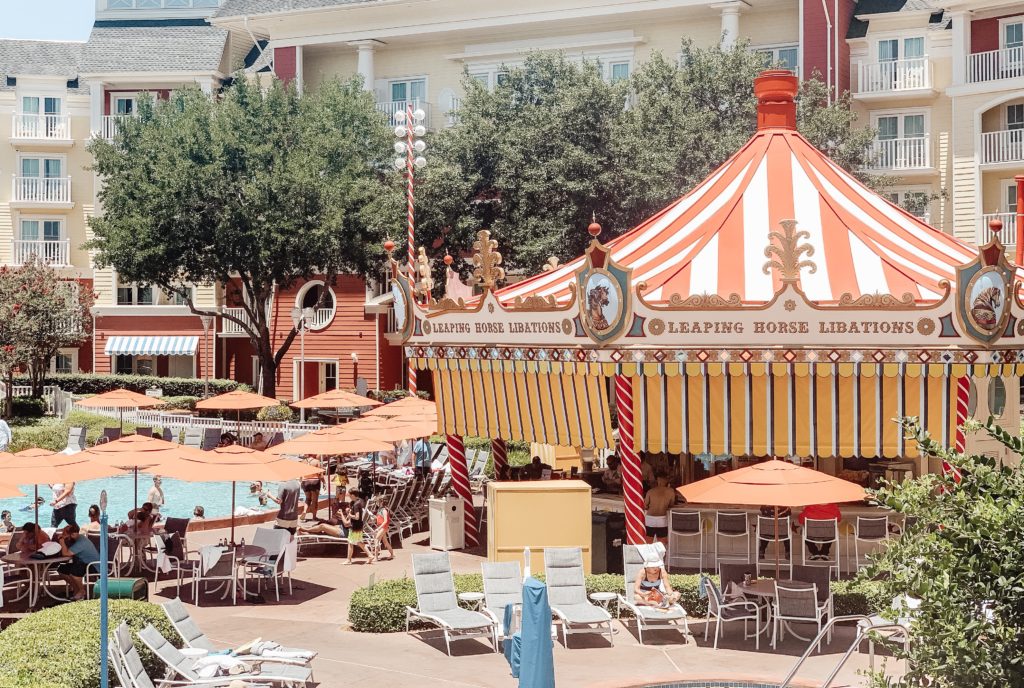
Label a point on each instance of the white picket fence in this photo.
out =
(58, 402)
(184, 421)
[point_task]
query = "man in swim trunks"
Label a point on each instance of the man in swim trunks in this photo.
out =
(656, 505)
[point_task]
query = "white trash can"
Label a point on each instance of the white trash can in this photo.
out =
(447, 523)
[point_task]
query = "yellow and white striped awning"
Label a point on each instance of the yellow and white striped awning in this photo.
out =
(563, 404)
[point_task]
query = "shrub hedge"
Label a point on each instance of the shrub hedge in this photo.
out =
(282, 413)
(89, 383)
(52, 433)
(381, 608)
(60, 647)
(28, 407)
(180, 403)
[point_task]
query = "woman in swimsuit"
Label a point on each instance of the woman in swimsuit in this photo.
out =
(652, 587)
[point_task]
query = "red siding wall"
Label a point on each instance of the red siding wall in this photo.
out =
(985, 33)
(285, 63)
(819, 41)
(150, 326)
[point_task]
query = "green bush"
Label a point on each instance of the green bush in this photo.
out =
(89, 383)
(52, 433)
(389, 395)
(60, 646)
(181, 403)
(28, 407)
(281, 412)
(381, 609)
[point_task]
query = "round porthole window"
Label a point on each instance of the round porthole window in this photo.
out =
(997, 397)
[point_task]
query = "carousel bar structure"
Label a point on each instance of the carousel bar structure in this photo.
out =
(779, 309)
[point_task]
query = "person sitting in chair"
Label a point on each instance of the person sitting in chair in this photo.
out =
(652, 587)
(80, 548)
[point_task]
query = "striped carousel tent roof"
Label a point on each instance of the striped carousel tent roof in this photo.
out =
(712, 240)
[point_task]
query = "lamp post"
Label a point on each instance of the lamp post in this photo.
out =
(207, 321)
(409, 131)
(104, 555)
(301, 319)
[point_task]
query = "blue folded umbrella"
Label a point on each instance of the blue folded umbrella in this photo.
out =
(513, 644)
(536, 661)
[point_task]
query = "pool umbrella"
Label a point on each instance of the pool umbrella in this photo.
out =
(537, 662)
(50, 469)
(336, 399)
(237, 401)
(233, 463)
(404, 406)
(391, 429)
(135, 452)
(120, 399)
(774, 483)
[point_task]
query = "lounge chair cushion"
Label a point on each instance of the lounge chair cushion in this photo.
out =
(585, 613)
(462, 619)
(435, 588)
(653, 614)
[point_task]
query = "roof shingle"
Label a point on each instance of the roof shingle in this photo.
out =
(240, 8)
(40, 58)
(154, 49)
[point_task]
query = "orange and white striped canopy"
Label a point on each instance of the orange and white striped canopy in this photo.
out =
(712, 240)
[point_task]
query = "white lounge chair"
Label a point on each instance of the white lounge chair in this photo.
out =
(647, 617)
(438, 605)
(503, 586)
(286, 675)
(567, 594)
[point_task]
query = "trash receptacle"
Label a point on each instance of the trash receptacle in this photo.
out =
(599, 542)
(615, 537)
(447, 519)
(124, 589)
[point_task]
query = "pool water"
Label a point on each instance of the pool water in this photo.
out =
(180, 498)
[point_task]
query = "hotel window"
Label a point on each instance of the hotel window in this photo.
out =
(618, 71)
(1015, 116)
(784, 56)
(63, 363)
(41, 230)
(408, 89)
(892, 49)
(1010, 195)
(123, 365)
(47, 168)
(122, 105)
(134, 295)
(119, 4)
(1013, 34)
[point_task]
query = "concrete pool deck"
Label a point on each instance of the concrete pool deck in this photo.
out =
(316, 615)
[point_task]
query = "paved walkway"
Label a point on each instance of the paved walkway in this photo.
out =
(316, 617)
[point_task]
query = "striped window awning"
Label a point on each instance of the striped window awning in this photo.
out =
(152, 346)
(561, 403)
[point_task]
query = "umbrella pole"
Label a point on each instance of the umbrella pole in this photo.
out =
(232, 512)
(136, 471)
(777, 543)
(327, 485)
(35, 503)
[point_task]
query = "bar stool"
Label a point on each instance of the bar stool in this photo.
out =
(684, 526)
(822, 532)
(870, 530)
(766, 532)
(733, 526)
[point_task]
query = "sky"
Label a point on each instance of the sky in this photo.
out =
(57, 20)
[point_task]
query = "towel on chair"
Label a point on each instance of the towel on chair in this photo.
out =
(209, 556)
(291, 554)
(217, 665)
(162, 561)
(271, 650)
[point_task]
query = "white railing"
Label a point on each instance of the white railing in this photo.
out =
(179, 421)
(453, 112)
(58, 402)
(230, 326)
(1002, 146)
(109, 125)
(41, 189)
(52, 252)
(322, 317)
(899, 154)
(159, 4)
(1008, 235)
(26, 125)
(389, 108)
(894, 75)
(992, 65)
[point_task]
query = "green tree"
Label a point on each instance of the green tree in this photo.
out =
(254, 190)
(963, 559)
(40, 313)
(554, 144)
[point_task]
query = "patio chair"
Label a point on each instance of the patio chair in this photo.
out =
(179, 526)
(144, 431)
(179, 665)
(437, 603)
(17, 580)
(76, 440)
(567, 594)
(270, 565)
(503, 585)
(732, 527)
(868, 530)
(821, 578)
(168, 436)
(222, 571)
(182, 622)
(172, 558)
(684, 526)
(776, 533)
(276, 439)
(724, 612)
(114, 563)
(821, 532)
(211, 438)
(110, 434)
(194, 437)
(647, 617)
(797, 603)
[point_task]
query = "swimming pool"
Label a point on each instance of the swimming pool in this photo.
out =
(180, 498)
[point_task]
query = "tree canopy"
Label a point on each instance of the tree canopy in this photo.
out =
(554, 144)
(255, 189)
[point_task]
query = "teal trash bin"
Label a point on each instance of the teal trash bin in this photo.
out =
(124, 589)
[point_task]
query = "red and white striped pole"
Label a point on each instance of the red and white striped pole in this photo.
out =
(632, 483)
(499, 450)
(410, 204)
(963, 397)
(460, 481)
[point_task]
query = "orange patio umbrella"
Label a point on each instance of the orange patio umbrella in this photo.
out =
(329, 441)
(30, 452)
(773, 483)
(232, 463)
(120, 399)
(48, 469)
(336, 399)
(391, 429)
(237, 401)
(405, 406)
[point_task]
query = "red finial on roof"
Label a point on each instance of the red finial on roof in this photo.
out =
(776, 91)
(996, 225)
(448, 259)
(594, 229)
(389, 246)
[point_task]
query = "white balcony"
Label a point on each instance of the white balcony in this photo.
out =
(322, 317)
(993, 65)
(389, 108)
(52, 252)
(108, 126)
(1002, 147)
(41, 192)
(1008, 235)
(34, 128)
(229, 328)
(452, 116)
(899, 154)
(894, 77)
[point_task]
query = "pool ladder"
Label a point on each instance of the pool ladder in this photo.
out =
(861, 635)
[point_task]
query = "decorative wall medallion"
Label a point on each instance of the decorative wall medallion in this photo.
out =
(567, 328)
(604, 299)
(656, 327)
(427, 328)
(983, 294)
(925, 326)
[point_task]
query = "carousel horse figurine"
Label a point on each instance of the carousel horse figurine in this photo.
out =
(597, 299)
(986, 305)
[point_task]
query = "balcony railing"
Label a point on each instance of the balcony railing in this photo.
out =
(26, 125)
(50, 251)
(1008, 235)
(1002, 146)
(108, 126)
(894, 76)
(389, 108)
(899, 154)
(41, 190)
(992, 65)
(321, 319)
(453, 112)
